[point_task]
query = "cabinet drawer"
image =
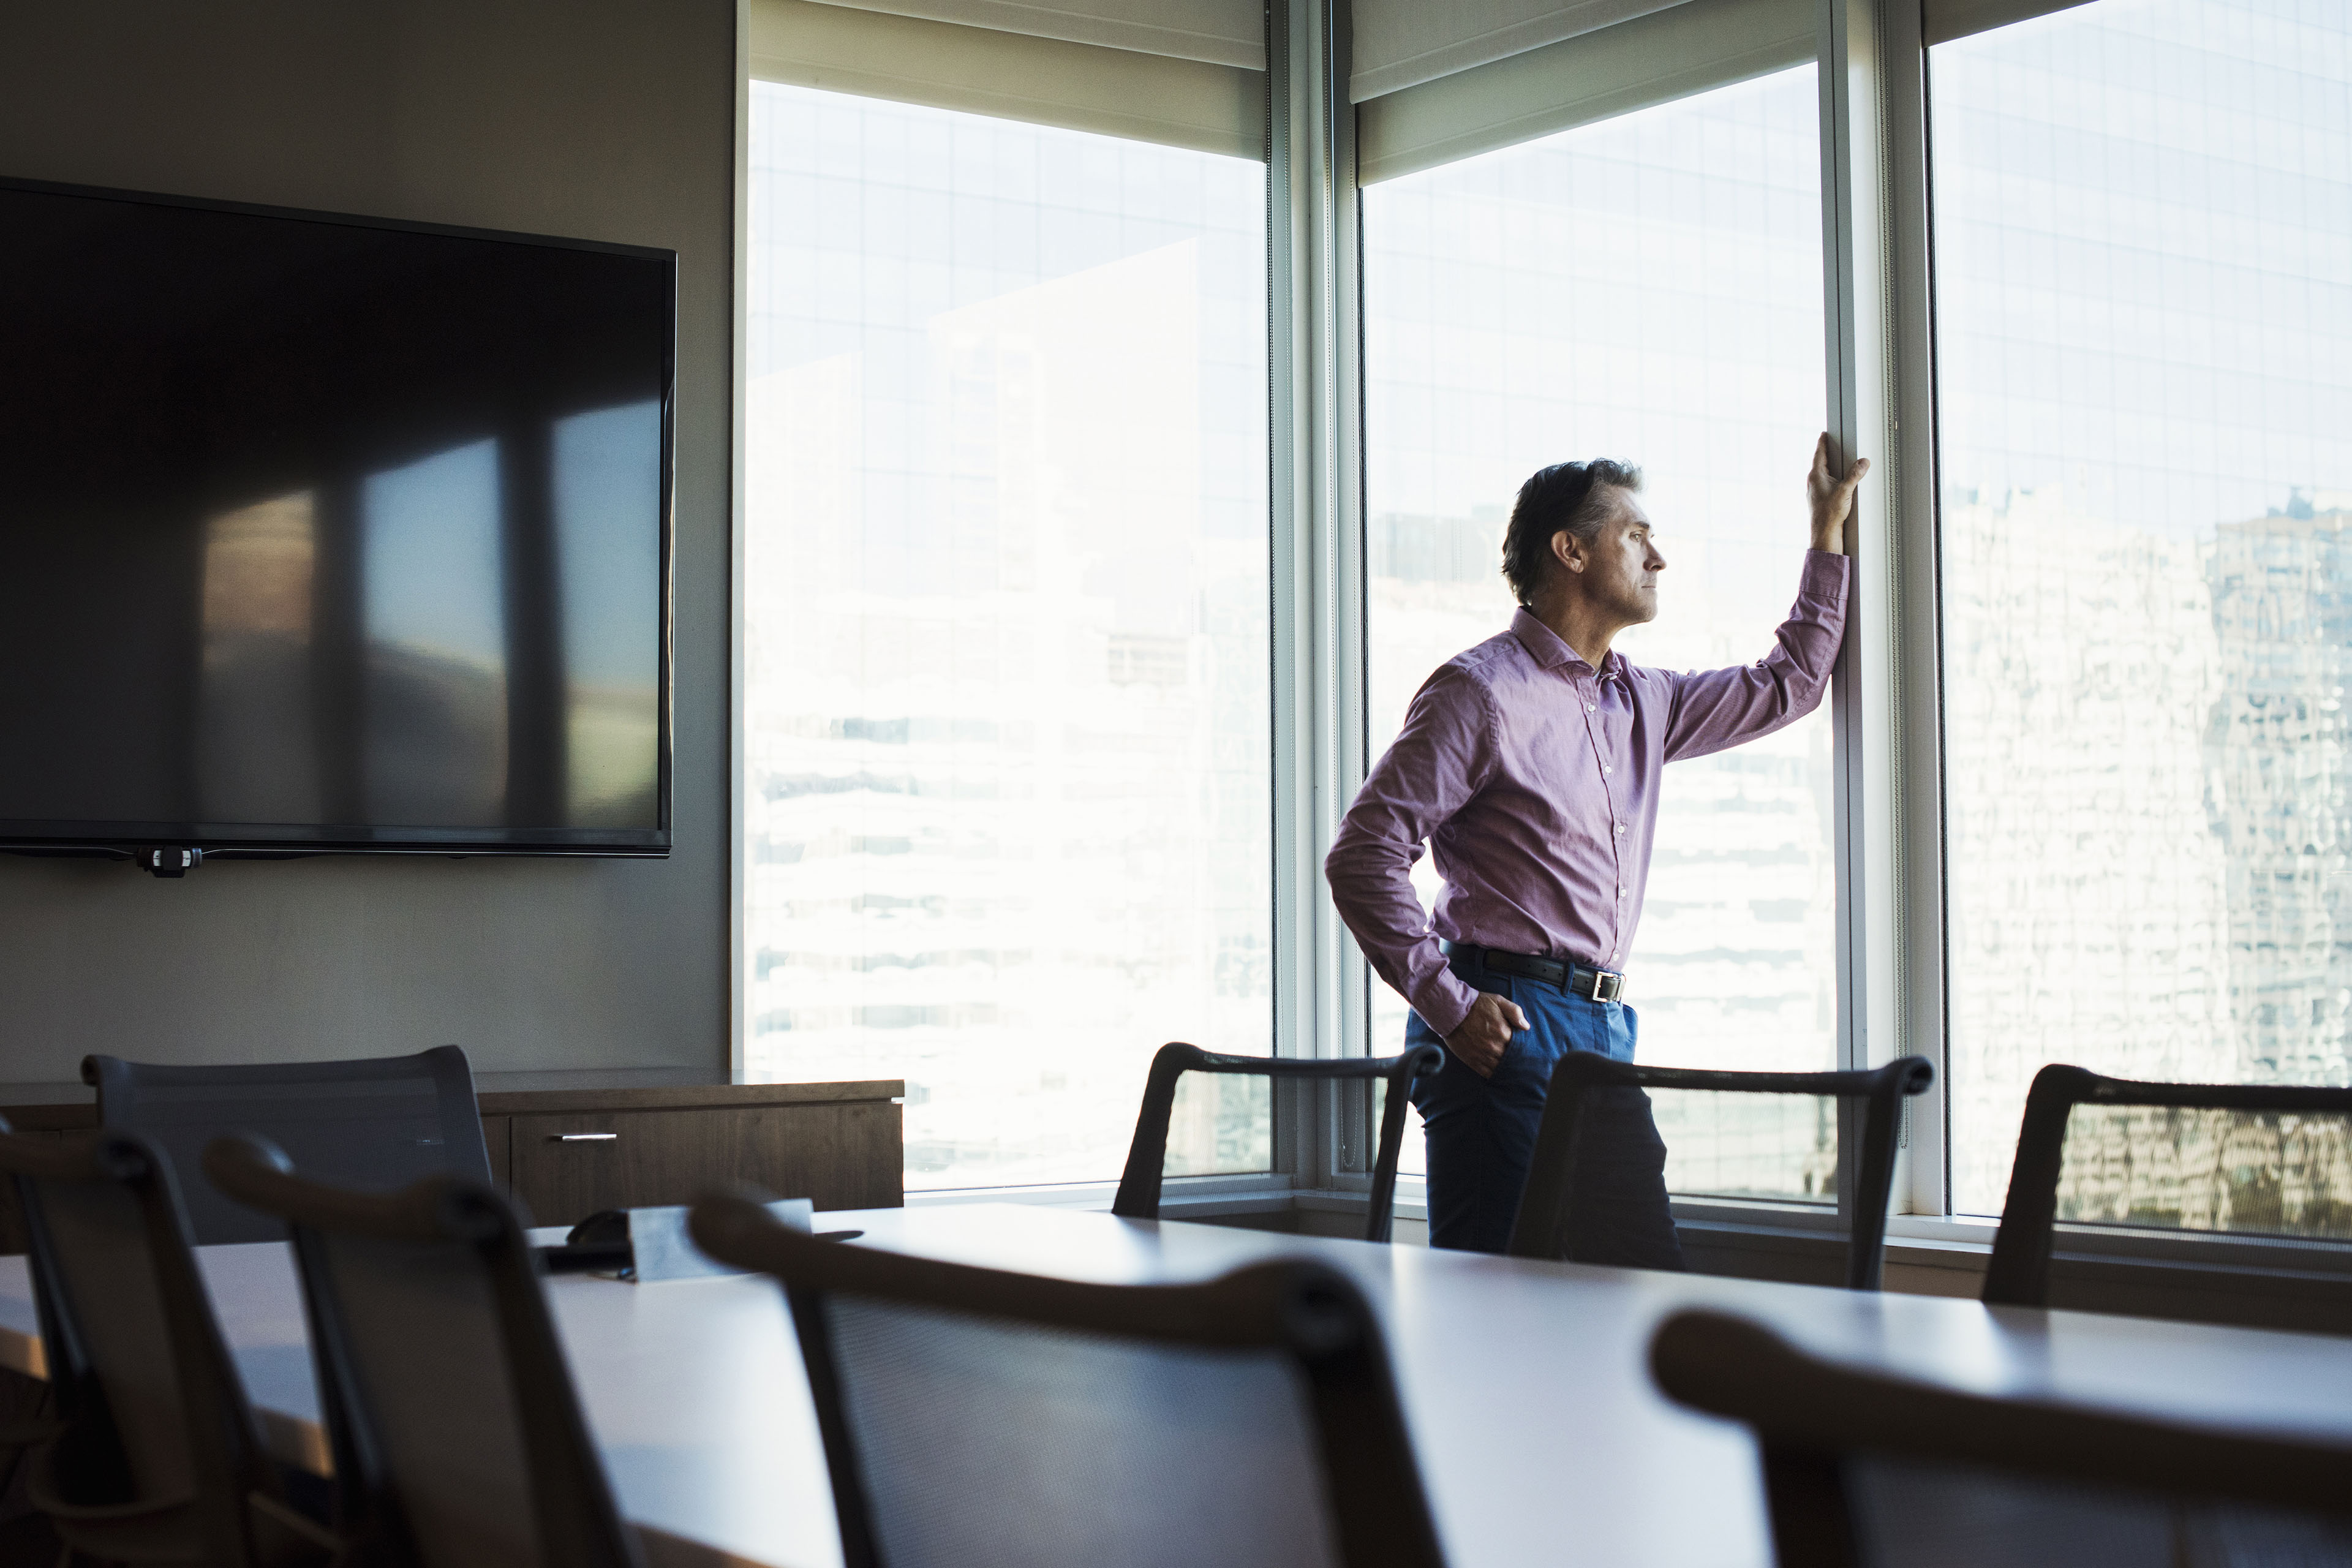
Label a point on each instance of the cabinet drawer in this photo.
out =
(565, 1168)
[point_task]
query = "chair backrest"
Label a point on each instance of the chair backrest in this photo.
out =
(1586, 1085)
(1868, 1470)
(376, 1124)
(458, 1435)
(153, 1412)
(2261, 1159)
(1146, 1154)
(993, 1420)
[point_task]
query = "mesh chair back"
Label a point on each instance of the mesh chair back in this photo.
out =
(456, 1425)
(1147, 1155)
(375, 1124)
(154, 1412)
(1153, 1455)
(1862, 1471)
(2265, 1159)
(992, 1420)
(1564, 1204)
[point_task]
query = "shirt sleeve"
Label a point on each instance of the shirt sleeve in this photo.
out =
(1716, 708)
(1441, 758)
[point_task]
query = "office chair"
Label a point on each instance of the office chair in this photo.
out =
(2272, 1159)
(988, 1419)
(456, 1433)
(156, 1455)
(378, 1123)
(1868, 1470)
(1551, 1222)
(1139, 1185)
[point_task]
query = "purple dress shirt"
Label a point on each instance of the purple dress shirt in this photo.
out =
(1535, 781)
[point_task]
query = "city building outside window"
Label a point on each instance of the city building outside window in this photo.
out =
(2143, 219)
(1006, 788)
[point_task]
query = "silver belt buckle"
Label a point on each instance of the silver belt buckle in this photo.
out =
(1608, 985)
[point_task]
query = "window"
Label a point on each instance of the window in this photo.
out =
(1017, 613)
(1647, 286)
(2144, 312)
(1007, 794)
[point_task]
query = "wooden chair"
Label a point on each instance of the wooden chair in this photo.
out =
(457, 1437)
(1139, 1185)
(975, 1416)
(156, 1455)
(1865, 1471)
(2150, 1183)
(378, 1122)
(1549, 1223)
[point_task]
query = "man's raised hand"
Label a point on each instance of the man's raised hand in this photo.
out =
(1478, 1044)
(1831, 498)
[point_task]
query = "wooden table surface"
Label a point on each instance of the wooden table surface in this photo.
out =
(1526, 1384)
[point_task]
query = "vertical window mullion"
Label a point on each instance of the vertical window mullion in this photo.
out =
(1866, 696)
(1922, 1174)
(1887, 705)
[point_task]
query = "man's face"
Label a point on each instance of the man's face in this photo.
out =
(1620, 567)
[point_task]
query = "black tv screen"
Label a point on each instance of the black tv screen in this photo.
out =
(322, 533)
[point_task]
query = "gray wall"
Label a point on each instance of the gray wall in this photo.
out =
(603, 119)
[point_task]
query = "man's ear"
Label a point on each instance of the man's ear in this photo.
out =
(1568, 549)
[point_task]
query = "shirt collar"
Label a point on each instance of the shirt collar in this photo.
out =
(1547, 648)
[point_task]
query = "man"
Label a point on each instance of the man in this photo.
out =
(1530, 765)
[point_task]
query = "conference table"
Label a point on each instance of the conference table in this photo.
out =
(1526, 1384)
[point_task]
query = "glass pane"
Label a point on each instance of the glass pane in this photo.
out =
(2143, 307)
(1783, 1147)
(2159, 1167)
(1006, 792)
(1648, 288)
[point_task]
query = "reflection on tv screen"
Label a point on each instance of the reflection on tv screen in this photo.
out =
(326, 535)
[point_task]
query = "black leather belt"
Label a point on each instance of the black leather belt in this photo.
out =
(1583, 980)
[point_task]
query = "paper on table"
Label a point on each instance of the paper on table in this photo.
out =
(660, 1248)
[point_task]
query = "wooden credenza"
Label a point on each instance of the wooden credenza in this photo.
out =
(568, 1152)
(599, 1141)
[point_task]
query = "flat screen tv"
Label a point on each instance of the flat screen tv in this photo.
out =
(325, 535)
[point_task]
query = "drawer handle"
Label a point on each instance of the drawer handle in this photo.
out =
(582, 1137)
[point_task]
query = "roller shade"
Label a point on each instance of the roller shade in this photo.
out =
(1148, 96)
(1653, 59)
(1217, 32)
(1948, 19)
(1404, 43)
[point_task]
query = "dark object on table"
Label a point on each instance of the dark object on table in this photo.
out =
(597, 1245)
(1870, 1104)
(378, 1123)
(1139, 1185)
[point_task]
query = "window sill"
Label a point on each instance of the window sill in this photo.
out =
(1257, 1192)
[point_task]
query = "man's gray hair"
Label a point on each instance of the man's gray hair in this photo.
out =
(1572, 498)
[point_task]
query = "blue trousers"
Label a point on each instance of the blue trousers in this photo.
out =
(1481, 1132)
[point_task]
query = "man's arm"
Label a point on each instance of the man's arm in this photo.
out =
(1437, 762)
(1721, 708)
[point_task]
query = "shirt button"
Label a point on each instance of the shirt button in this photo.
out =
(1607, 769)
(1592, 708)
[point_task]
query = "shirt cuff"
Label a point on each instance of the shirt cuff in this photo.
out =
(1826, 575)
(1444, 1002)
